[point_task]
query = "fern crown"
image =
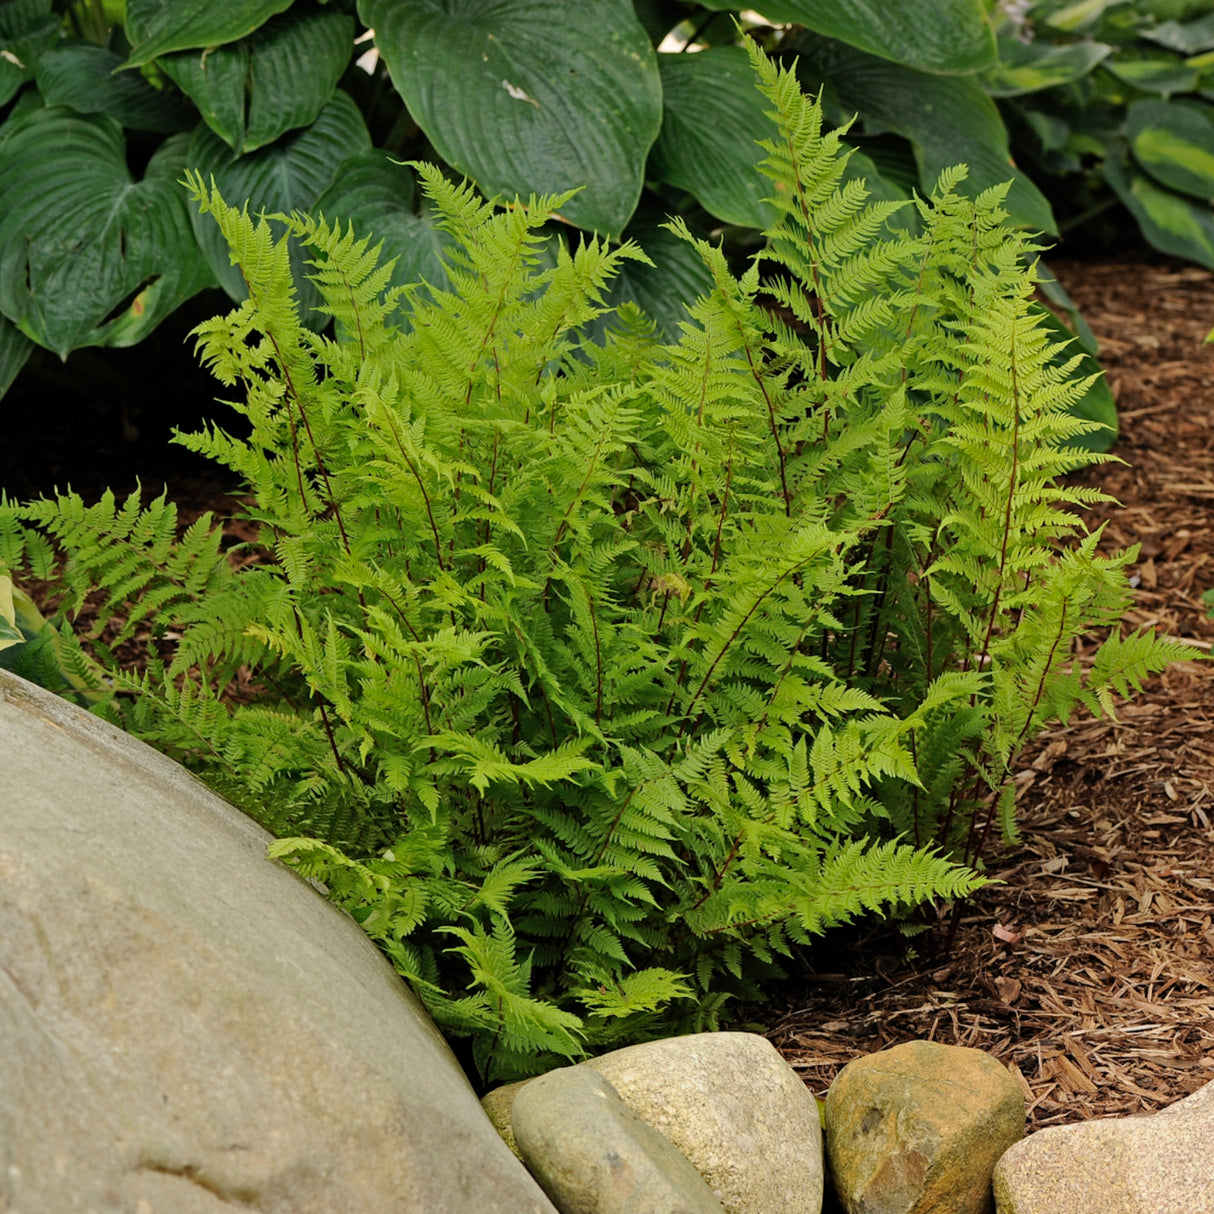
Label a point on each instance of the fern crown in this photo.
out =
(595, 677)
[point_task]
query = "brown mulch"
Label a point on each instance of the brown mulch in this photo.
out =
(1090, 970)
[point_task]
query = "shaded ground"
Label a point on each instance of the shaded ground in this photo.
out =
(1091, 971)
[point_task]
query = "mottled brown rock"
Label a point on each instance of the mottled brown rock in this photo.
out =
(498, 1105)
(918, 1129)
(1157, 1164)
(736, 1109)
(593, 1155)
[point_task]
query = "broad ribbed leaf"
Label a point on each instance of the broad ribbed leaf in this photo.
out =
(157, 27)
(216, 82)
(1163, 76)
(677, 277)
(82, 75)
(278, 78)
(948, 119)
(15, 348)
(949, 37)
(289, 175)
(1171, 222)
(712, 117)
(28, 28)
(376, 195)
(1028, 67)
(1188, 38)
(1076, 17)
(1174, 142)
(530, 96)
(88, 255)
(27, 102)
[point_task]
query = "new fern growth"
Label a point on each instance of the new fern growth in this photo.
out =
(593, 677)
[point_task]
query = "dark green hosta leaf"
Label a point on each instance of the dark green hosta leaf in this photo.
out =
(949, 37)
(215, 81)
(278, 78)
(15, 348)
(1163, 76)
(530, 96)
(289, 175)
(712, 117)
(88, 255)
(1074, 18)
(1052, 132)
(1174, 142)
(1188, 38)
(1032, 66)
(28, 28)
(81, 75)
(376, 195)
(948, 119)
(157, 27)
(1171, 222)
(27, 102)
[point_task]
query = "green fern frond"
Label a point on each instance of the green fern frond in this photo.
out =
(595, 676)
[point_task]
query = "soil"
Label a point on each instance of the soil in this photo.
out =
(1090, 969)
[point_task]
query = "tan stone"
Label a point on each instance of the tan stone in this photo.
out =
(1162, 1163)
(919, 1127)
(498, 1105)
(736, 1109)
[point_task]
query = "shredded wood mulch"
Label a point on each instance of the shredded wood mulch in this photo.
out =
(1090, 970)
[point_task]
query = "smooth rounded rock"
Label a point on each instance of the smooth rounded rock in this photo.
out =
(188, 1027)
(1160, 1163)
(593, 1155)
(736, 1109)
(918, 1129)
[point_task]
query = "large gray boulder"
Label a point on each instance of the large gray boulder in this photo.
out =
(187, 1027)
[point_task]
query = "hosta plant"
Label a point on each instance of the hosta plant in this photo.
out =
(295, 104)
(594, 677)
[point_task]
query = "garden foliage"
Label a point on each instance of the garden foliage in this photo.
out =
(596, 676)
(1114, 102)
(105, 103)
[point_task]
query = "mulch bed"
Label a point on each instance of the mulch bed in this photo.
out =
(1090, 970)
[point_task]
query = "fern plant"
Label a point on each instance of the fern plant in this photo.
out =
(594, 677)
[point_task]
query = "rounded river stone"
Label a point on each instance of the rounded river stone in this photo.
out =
(918, 1129)
(594, 1155)
(735, 1108)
